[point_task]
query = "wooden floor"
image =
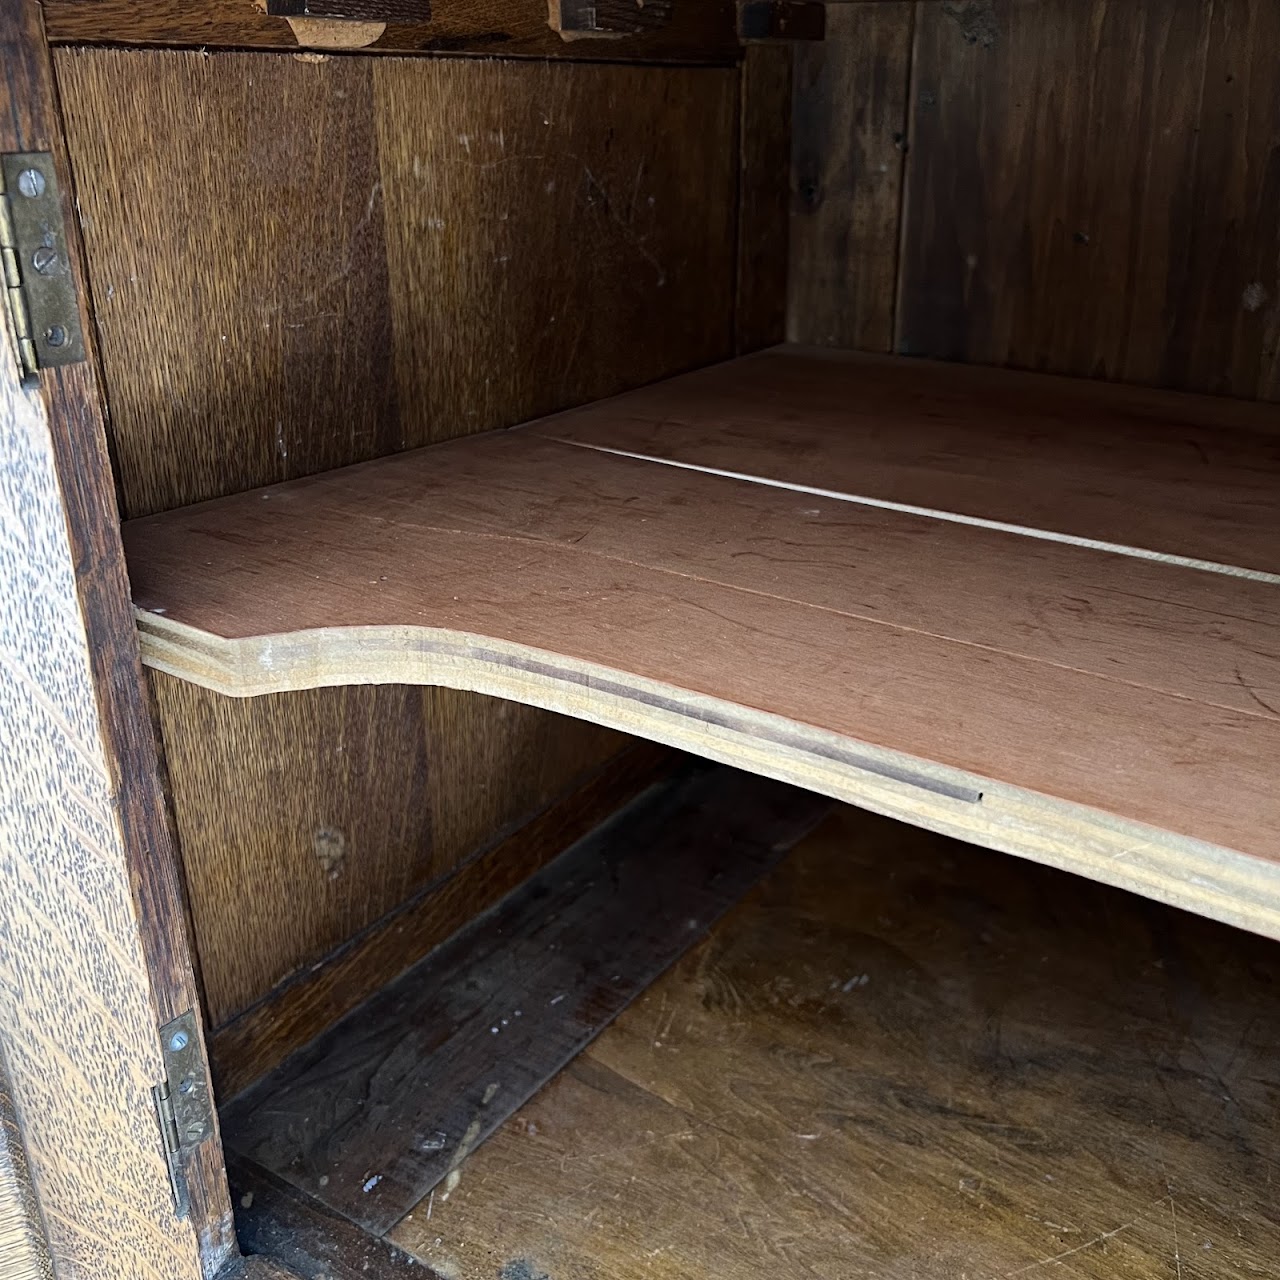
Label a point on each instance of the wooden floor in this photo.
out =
(903, 1057)
(386, 1104)
(1035, 614)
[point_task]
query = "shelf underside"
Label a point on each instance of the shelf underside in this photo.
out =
(1035, 613)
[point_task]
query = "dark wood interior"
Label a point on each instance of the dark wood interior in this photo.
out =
(313, 245)
(902, 1056)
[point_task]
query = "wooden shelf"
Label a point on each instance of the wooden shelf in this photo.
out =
(1035, 613)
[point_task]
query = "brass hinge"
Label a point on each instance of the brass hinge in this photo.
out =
(184, 1105)
(38, 285)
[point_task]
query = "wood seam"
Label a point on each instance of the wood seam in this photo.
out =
(937, 513)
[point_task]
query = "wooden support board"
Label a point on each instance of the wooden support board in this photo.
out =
(1038, 614)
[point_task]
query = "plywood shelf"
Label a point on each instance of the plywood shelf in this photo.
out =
(1034, 613)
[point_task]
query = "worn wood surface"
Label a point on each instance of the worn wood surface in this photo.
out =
(60, 480)
(301, 799)
(849, 145)
(902, 1057)
(811, 633)
(276, 1221)
(697, 31)
(385, 1106)
(427, 237)
(764, 152)
(260, 1268)
(299, 1010)
(1091, 191)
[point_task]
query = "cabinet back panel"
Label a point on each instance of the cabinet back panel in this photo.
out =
(1090, 187)
(300, 262)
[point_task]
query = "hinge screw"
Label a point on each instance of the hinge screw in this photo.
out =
(45, 260)
(31, 183)
(179, 1041)
(55, 336)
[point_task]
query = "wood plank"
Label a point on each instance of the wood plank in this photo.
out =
(346, 803)
(195, 330)
(819, 666)
(698, 31)
(257, 1269)
(274, 1220)
(278, 366)
(580, 633)
(764, 196)
(1204, 636)
(850, 143)
(902, 1057)
(1041, 234)
(259, 1039)
(377, 1112)
(107, 959)
(1121, 465)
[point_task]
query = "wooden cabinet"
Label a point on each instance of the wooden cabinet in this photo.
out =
(643, 654)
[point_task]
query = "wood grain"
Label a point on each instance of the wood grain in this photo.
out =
(555, 233)
(850, 141)
(77, 1012)
(1204, 636)
(792, 641)
(137, 840)
(385, 1106)
(353, 832)
(236, 307)
(259, 1039)
(463, 251)
(1089, 192)
(306, 777)
(902, 1057)
(355, 327)
(764, 155)
(24, 1250)
(698, 31)
(1121, 465)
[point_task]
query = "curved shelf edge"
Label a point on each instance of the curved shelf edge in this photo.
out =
(1210, 880)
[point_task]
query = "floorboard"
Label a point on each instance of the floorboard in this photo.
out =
(902, 1058)
(383, 1107)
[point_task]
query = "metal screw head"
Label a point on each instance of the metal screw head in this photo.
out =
(187, 1085)
(55, 336)
(31, 183)
(179, 1041)
(46, 260)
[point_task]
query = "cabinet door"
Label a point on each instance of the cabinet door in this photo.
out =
(94, 957)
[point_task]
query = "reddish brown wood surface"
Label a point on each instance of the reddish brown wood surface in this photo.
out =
(1142, 690)
(1182, 475)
